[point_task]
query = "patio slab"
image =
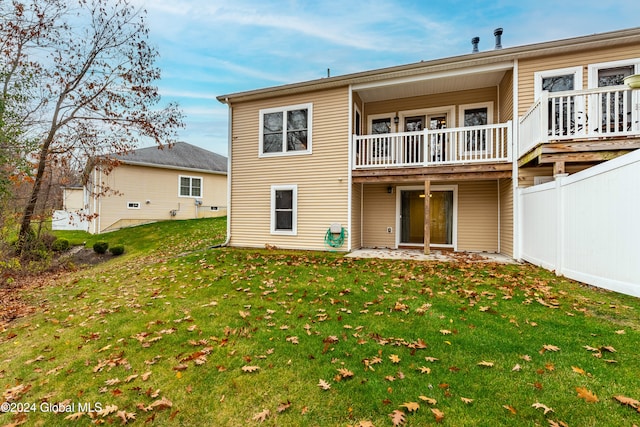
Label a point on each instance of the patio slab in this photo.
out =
(435, 255)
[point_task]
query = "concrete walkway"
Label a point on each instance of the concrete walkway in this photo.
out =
(435, 255)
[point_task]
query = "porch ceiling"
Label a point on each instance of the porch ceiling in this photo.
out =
(427, 85)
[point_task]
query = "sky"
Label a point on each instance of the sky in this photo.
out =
(211, 47)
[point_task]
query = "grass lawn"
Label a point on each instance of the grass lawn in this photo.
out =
(176, 333)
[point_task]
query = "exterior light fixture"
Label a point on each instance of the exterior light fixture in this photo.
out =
(396, 120)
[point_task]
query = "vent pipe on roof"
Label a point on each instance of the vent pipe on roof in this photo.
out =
(474, 42)
(498, 34)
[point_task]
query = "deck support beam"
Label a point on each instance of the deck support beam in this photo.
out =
(427, 217)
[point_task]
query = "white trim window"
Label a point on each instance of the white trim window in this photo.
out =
(189, 186)
(565, 112)
(285, 130)
(476, 139)
(616, 110)
(284, 209)
(133, 205)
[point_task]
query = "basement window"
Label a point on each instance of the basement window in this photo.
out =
(133, 205)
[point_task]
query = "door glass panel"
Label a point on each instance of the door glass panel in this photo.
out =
(441, 209)
(560, 116)
(558, 83)
(438, 152)
(379, 126)
(381, 147)
(613, 76)
(476, 140)
(412, 147)
(613, 120)
(412, 226)
(414, 124)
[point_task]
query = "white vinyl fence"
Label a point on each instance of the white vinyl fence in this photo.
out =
(65, 220)
(587, 226)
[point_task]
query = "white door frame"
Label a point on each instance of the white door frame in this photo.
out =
(454, 219)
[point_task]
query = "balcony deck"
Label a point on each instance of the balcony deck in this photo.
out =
(590, 125)
(433, 154)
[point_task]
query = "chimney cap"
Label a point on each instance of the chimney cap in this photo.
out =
(474, 42)
(497, 32)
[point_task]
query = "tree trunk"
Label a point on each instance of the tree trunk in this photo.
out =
(33, 200)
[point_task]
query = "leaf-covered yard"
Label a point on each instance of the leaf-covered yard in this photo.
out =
(179, 334)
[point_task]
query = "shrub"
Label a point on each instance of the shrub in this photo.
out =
(116, 250)
(100, 247)
(60, 245)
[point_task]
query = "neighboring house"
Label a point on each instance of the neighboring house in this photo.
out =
(429, 154)
(152, 184)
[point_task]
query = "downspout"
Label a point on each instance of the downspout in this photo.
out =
(349, 168)
(515, 229)
(229, 151)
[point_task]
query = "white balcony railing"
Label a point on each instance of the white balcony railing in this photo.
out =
(429, 147)
(592, 113)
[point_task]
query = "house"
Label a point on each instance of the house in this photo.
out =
(151, 184)
(429, 154)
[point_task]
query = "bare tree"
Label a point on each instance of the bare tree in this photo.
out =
(91, 82)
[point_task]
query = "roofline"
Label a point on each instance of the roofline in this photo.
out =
(159, 166)
(455, 62)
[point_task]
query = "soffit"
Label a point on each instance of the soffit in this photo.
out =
(430, 86)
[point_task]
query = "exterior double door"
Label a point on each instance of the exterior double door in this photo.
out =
(441, 208)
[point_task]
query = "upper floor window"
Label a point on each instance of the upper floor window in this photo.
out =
(190, 186)
(285, 130)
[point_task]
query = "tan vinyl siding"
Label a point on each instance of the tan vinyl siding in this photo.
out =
(527, 68)
(506, 217)
(378, 213)
(73, 199)
(478, 216)
(356, 216)
(505, 102)
(321, 177)
(159, 186)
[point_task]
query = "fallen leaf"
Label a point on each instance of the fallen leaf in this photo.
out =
(517, 368)
(324, 385)
(578, 370)
(75, 416)
(429, 400)
(345, 373)
(466, 400)
(539, 405)
(283, 406)
(486, 364)
(125, 417)
(424, 370)
(510, 409)
(411, 406)
(261, 416)
(247, 368)
(438, 414)
(549, 347)
(161, 404)
(397, 418)
(587, 395)
(635, 404)
(394, 358)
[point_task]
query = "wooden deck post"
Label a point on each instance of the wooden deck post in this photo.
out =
(427, 217)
